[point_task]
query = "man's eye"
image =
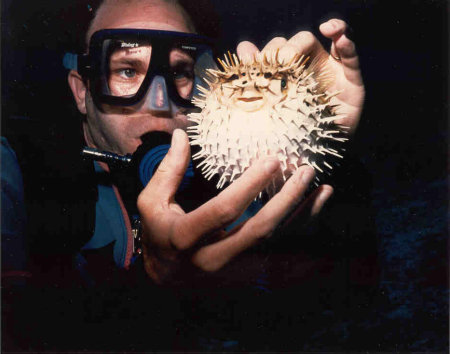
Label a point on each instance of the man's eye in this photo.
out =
(283, 84)
(182, 74)
(127, 73)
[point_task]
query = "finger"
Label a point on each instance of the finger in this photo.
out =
(226, 207)
(287, 53)
(306, 43)
(215, 256)
(271, 49)
(274, 44)
(349, 58)
(324, 194)
(312, 206)
(246, 51)
(343, 48)
(168, 176)
(284, 201)
(333, 28)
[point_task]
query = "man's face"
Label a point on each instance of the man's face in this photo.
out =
(119, 129)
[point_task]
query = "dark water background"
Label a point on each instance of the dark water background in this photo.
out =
(402, 139)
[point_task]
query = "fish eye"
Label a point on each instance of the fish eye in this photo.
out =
(283, 84)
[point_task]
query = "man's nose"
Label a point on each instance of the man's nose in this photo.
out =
(157, 98)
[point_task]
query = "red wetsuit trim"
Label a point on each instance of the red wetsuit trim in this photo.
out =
(126, 219)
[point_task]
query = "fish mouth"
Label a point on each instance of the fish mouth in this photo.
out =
(249, 99)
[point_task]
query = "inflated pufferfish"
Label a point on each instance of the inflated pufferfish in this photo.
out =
(265, 108)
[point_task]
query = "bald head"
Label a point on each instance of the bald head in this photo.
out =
(166, 15)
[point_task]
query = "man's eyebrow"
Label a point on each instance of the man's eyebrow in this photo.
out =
(135, 62)
(177, 55)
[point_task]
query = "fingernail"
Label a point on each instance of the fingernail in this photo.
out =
(331, 24)
(322, 198)
(177, 137)
(307, 175)
(272, 165)
(325, 195)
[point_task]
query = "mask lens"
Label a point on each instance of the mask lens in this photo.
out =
(122, 65)
(188, 64)
(127, 63)
(182, 66)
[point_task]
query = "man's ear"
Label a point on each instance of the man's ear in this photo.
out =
(78, 88)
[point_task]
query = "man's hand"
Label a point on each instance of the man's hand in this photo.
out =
(342, 62)
(174, 239)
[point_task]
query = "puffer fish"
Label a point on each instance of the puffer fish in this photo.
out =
(265, 107)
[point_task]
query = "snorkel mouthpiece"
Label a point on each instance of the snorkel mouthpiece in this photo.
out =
(141, 165)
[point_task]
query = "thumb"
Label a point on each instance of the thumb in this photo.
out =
(171, 170)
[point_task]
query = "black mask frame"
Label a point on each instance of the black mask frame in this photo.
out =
(92, 68)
